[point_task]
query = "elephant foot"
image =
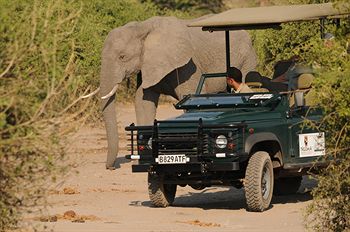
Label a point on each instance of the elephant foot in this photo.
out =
(114, 166)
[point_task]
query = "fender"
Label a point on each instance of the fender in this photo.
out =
(259, 137)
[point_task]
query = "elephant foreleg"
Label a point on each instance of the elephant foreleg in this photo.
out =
(146, 103)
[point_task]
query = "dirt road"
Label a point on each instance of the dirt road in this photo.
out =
(95, 199)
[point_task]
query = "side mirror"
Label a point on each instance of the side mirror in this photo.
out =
(299, 98)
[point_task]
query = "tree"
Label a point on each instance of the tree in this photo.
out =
(203, 6)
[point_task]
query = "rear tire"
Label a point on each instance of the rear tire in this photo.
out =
(287, 185)
(160, 194)
(259, 182)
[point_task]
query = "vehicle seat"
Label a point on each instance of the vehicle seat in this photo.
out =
(254, 81)
(304, 82)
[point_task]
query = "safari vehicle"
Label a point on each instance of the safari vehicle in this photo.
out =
(254, 140)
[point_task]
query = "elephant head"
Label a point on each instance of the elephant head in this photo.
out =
(155, 47)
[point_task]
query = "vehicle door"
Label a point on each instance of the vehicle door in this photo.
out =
(306, 144)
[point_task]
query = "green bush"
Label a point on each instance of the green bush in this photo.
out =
(194, 6)
(330, 208)
(36, 90)
(294, 39)
(49, 57)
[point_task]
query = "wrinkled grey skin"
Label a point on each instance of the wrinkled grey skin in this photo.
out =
(171, 58)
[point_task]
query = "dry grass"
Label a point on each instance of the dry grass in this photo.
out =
(70, 191)
(69, 215)
(66, 191)
(200, 223)
(100, 190)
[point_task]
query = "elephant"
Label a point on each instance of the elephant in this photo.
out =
(168, 58)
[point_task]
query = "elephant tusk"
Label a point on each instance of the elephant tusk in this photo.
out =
(91, 94)
(110, 93)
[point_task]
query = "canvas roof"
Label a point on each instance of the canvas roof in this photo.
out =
(271, 15)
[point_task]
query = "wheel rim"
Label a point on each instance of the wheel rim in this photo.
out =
(265, 182)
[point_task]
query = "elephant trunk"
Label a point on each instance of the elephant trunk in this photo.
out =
(110, 120)
(108, 85)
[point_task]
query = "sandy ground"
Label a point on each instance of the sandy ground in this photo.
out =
(118, 200)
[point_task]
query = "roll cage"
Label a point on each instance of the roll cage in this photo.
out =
(270, 17)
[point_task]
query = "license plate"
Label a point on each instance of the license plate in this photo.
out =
(172, 159)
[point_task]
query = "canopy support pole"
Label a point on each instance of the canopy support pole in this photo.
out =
(322, 27)
(228, 58)
(228, 61)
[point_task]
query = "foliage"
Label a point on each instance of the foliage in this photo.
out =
(330, 209)
(294, 39)
(37, 89)
(49, 57)
(196, 6)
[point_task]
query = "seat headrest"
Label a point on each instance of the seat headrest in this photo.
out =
(253, 76)
(281, 67)
(260, 90)
(305, 81)
(254, 84)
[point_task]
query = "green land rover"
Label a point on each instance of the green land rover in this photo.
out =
(257, 140)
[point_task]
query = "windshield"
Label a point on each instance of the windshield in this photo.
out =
(211, 79)
(206, 101)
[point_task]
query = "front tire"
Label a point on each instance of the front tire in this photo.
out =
(160, 194)
(287, 185)
(259, 182)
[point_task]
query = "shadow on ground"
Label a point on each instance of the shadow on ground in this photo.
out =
(121, 160)
(231, 198)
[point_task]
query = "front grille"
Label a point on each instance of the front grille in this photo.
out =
(181, 143)
(195, 139)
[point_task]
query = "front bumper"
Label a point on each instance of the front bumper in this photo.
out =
(185, 168)
(190, 138)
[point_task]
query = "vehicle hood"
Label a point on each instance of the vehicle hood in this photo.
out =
(229, 115)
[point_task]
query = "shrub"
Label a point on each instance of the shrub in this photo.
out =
(330, 209)
(193, 6)
(38, 63)
(49, 57)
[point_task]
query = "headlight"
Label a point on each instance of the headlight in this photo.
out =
(149, 143)
(221, 141)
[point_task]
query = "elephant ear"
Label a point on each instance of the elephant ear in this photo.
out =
(166, 47)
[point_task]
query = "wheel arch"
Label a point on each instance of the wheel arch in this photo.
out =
(267, 142)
